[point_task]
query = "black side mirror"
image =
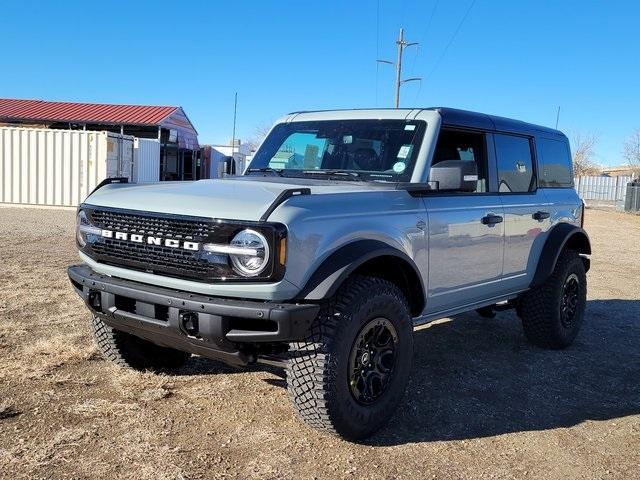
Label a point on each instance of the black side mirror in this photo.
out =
(455, 175)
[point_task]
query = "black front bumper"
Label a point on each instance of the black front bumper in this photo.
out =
(225, 329)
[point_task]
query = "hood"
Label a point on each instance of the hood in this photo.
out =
(240, 198)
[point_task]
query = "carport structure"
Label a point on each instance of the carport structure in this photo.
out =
(170, 125)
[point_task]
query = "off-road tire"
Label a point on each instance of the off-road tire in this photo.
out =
(128, 351)
(540, 308)
(317, 374)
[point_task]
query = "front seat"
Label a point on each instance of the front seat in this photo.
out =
(366, 159)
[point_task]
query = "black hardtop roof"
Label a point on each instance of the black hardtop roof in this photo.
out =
(465, 118)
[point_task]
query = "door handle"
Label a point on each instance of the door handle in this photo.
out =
(541, 215)
(491, 219)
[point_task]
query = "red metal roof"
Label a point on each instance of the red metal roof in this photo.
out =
(41, 110)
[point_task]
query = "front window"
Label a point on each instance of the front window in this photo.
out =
(369, 149)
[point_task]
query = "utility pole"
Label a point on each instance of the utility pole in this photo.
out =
(399, 81)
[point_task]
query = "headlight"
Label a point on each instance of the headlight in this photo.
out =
(248, 251)
(84, 227)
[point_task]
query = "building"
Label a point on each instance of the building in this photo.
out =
(618, 171)
(220, 160)
(169, 125)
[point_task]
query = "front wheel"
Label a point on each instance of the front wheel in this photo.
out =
(349, 375)
(132, 352)
(553, 313)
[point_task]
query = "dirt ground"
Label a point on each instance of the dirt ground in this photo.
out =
(482, 403)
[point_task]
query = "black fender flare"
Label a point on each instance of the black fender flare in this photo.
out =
(561, 236)
(337, 267)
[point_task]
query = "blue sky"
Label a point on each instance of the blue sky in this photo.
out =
(514, 58)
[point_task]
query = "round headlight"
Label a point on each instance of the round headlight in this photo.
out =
(256, 258)
(81, 220)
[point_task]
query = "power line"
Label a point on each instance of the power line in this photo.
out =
(453, 37)
(424, 33)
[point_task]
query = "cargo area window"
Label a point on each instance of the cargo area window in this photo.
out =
(515, 164)
(554, 164)
(463, 145)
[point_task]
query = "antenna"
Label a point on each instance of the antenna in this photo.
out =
(399, 81)
(557, 117)
(235, 111)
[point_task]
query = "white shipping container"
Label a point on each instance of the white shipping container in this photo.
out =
(146, 160)
(59, 167)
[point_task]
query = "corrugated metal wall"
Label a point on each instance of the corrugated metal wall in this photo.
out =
(609, 189)
(146, 160)
(54, 167)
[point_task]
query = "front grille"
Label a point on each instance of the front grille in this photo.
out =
(178, 262)
(161, 259)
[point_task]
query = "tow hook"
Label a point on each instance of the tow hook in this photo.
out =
(189, 322)
(95, 300)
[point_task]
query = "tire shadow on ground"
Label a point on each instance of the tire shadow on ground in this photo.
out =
(475, 377)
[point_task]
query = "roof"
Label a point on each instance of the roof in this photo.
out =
(453, 116)
(450, 116)
(41, 110)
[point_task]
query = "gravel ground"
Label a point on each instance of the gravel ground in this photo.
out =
(482, 403)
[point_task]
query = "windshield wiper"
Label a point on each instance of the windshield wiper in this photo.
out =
(275, 171)
(341, 173)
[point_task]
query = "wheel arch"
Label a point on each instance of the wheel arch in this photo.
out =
(367, 257)
(563, 236)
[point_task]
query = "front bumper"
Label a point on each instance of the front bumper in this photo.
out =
(225, 329)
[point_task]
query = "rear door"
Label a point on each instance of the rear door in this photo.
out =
(527, 211)
(466, 230)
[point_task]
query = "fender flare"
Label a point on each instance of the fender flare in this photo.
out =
(563, 235)
(335, 269)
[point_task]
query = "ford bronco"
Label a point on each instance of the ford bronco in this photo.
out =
(347, 229)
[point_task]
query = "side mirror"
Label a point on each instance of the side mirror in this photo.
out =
(455, 175)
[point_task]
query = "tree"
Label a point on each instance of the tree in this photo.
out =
(259, 134)
(631, 152)
(583, 154)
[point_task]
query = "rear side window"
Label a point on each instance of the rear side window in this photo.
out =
(555, 163)
(515, 165)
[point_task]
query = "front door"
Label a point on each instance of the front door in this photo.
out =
(466, 230)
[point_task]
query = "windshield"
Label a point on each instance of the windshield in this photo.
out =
(372, 149)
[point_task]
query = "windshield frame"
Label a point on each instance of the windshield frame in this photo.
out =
(280, 132)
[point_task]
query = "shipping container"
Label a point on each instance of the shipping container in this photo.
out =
(59, 167)
(146, 160)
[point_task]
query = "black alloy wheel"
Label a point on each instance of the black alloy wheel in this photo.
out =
(372, 360)
(569, 301)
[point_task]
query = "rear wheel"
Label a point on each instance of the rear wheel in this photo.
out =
(553, 313)
(349, 376)
(129, 351)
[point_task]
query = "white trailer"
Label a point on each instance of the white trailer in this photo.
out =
(59, 167)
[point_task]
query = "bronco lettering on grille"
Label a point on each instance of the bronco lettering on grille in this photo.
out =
(159, 241)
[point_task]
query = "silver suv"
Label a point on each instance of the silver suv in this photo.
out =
(348, 229)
